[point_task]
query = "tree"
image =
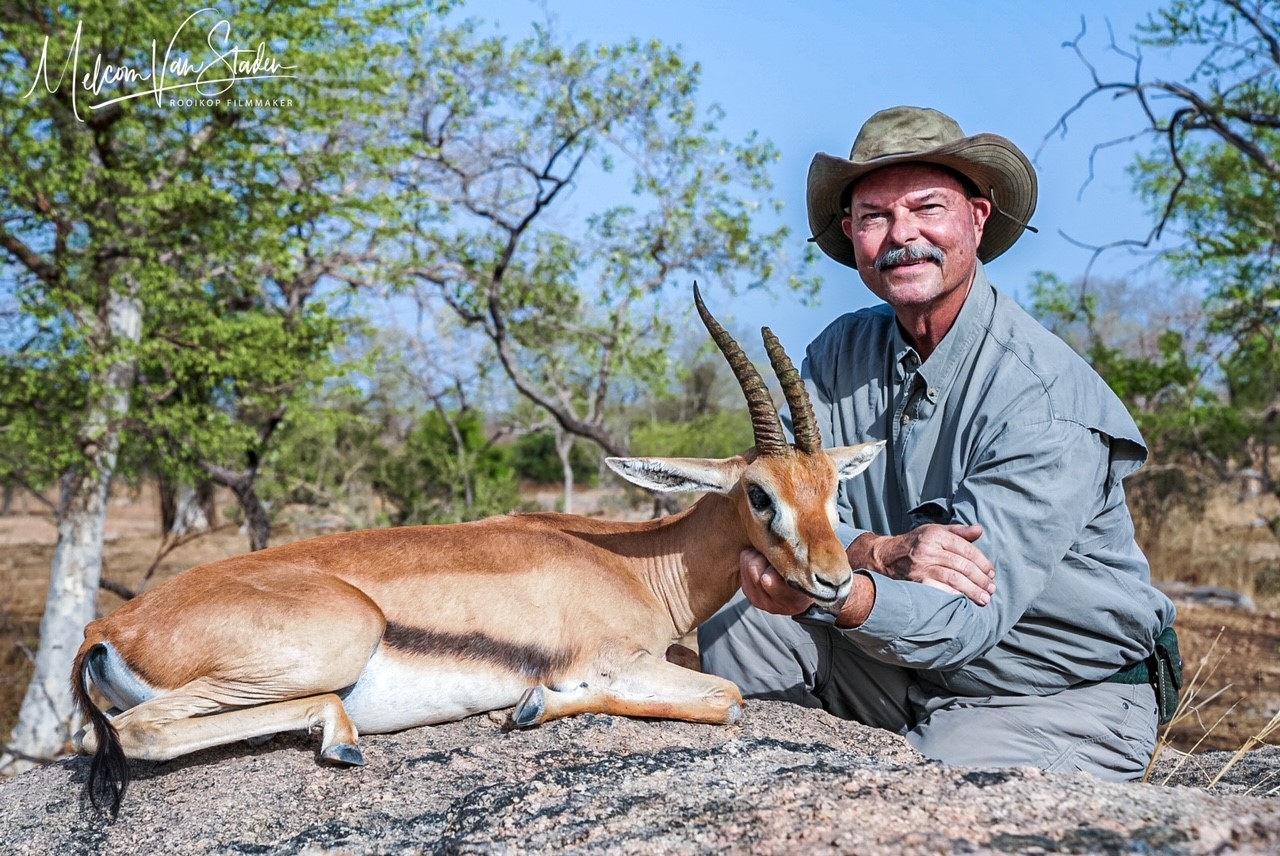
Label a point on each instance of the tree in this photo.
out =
(577, 310)
(327, 457)
(124, 214)
(232, 363)
(447, 470)
(1212, 181)
(534, 457)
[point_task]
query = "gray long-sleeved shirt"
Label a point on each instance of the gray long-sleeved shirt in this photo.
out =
(1004, 426)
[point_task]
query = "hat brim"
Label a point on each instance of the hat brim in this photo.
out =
(1000, 170)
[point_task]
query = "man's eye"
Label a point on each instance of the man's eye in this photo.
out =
(759, 500)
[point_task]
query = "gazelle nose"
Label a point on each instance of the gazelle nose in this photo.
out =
(825, 583)
(842, 594)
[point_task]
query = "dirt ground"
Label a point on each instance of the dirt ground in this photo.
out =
(1240, 649)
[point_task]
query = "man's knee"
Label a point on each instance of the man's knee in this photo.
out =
(1105, 729)
(767, 656)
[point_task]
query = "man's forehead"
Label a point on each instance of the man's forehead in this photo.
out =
(898, 180)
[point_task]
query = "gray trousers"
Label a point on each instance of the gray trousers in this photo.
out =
(1105, 729)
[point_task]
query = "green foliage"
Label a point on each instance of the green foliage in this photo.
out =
(325, 453)
(533, 457)
(446, 471)
(710, 435)
(212, 378)
(1177, 409)
(1212, 184)
(226, 225)
(1218, 179)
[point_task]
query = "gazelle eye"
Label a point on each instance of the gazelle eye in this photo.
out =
(759, 500)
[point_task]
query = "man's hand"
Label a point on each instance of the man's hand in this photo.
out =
(767, 590)
(765, 587)
(942, 556)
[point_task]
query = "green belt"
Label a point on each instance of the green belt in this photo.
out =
(1163, 670)
(1138, 673)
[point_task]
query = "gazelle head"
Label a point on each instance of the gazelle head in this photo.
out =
(785, 494)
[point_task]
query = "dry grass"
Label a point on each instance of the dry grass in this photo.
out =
(1231, 541)
(1191, 706)
(1253, 742)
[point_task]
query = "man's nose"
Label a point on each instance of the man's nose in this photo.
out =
(903, 230)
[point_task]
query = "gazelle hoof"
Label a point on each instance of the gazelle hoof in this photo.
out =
(85, 741)
(343, 754)
(530, 709)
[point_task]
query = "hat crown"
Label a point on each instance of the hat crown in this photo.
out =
(904, 130)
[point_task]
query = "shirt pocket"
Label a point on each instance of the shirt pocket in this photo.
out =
(930, 511)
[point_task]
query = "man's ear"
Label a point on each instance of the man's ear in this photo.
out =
(846, 226)
(668, 475)
(982, 209)
(851, 460)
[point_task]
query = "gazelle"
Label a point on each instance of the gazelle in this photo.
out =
(383, 630)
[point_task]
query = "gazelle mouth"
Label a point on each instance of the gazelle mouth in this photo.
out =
(831, 602)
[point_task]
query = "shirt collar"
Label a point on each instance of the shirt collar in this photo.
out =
(942, 364)
(905, 358)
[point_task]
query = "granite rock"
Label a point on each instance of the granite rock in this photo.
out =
(787, 780)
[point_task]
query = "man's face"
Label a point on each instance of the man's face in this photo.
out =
(915, 235)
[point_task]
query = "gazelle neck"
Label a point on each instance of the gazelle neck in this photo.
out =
(694, 572)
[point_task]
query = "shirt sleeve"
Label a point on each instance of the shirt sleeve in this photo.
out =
(1033, 490)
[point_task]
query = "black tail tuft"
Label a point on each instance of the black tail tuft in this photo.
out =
(109, 769)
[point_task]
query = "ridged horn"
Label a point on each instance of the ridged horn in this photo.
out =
(803, 424)
(765, 425)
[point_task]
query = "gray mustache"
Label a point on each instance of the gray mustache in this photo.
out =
(909, 253)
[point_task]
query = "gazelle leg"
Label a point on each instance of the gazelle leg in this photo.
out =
(173, 725)
(645, 687)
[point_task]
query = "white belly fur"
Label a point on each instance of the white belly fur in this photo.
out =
(397, 692)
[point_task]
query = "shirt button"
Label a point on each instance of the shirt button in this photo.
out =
(932, 394)
(906, 419)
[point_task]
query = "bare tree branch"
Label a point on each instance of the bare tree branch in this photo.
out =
(1196, 111)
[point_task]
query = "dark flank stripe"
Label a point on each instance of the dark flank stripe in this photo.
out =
(530, 661)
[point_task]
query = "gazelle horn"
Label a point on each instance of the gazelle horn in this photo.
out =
(765, 425)
(803, 424)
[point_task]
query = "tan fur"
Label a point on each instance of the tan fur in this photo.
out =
(556, 614)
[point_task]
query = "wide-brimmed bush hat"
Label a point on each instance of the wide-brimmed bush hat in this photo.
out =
(997, 168)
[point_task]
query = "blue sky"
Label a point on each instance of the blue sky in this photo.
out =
(807, 74)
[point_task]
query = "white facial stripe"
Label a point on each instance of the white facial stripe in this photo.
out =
(784, 527)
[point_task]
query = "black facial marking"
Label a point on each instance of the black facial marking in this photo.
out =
(530, 661)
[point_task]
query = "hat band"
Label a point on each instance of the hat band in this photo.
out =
(991, 195)
(813, 239)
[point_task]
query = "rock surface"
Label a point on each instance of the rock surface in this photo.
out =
(788, 780)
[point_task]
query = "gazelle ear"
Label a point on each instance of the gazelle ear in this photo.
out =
(668, 475)
(851, 460)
